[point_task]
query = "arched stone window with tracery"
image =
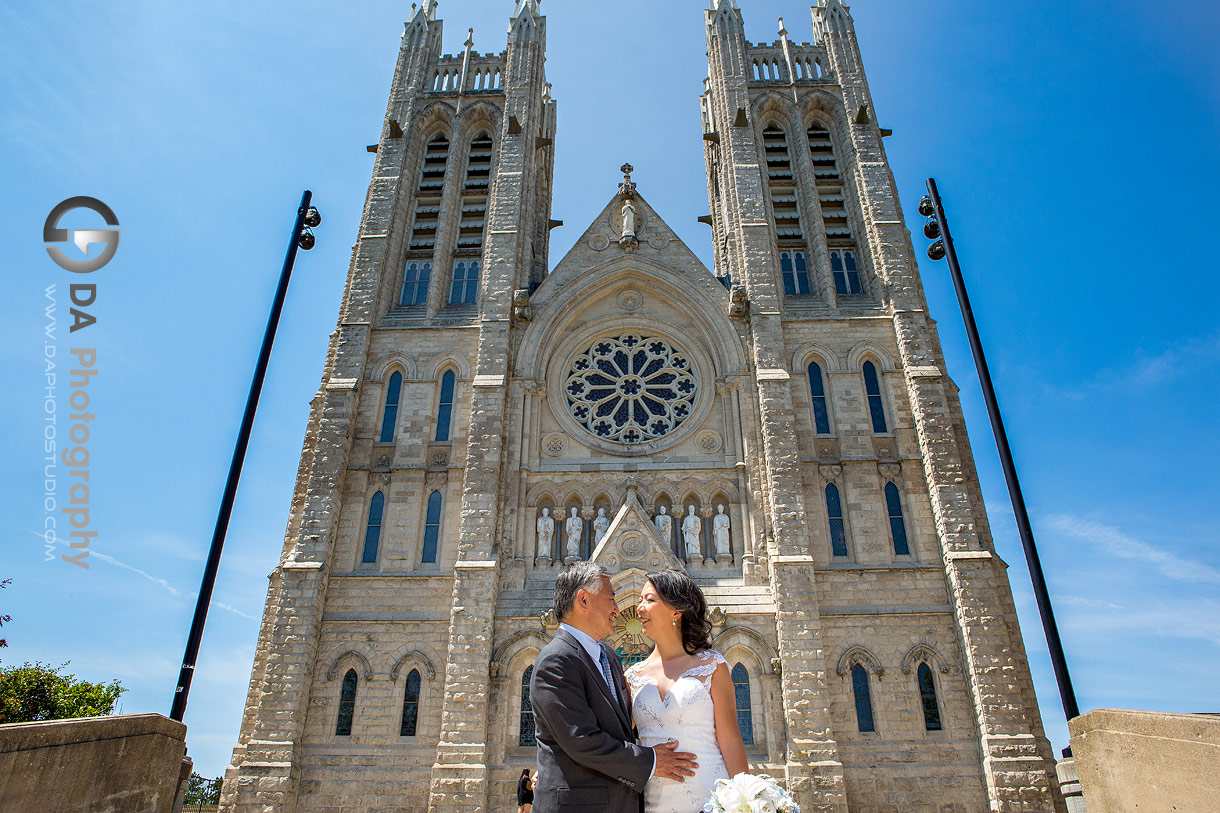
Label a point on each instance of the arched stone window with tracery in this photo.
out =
(526, 735)
(410, 705)
(631, 388)
(372, 529)
(347, 704)
(389, 417)
(927, 698)
(741, 693)
(864, 700)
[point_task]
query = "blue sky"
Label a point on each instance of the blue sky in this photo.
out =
(1074, 145)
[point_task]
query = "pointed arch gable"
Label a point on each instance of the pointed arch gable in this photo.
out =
(627, 584)
(414, 658)
(558, 318)
(859, 655)
(436, 118)
(862, 351)
(350, 656)
(546, 488)
(448, 360)
(482, 116)
(924, 653)
(384, 365)
(746, 638)
(772, 107)
(509, 652)
(815, 351)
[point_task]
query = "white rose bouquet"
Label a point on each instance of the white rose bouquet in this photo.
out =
(747, 793)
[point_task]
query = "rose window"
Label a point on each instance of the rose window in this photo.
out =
(631, 388)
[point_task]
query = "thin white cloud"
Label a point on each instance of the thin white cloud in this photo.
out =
(96, 554)
(1116, 543)
(220, 605)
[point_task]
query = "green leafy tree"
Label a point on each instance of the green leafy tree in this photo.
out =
(202, 791)
(37, 691)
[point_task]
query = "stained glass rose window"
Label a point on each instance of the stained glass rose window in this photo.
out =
(631, 388)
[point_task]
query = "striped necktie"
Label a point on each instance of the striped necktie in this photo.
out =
(605, 663)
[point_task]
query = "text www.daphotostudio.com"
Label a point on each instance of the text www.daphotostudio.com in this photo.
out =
(72, 453)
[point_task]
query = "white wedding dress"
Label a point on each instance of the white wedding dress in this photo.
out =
(686, 714)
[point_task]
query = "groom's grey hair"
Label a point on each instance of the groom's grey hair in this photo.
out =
(580, 576)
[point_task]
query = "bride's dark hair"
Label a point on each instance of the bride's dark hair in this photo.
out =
(679, 591)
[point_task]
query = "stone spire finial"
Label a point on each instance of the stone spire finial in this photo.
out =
(627, 188)
(783, 32)
(469, 38)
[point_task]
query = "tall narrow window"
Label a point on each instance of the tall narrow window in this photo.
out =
(432, 528)
(389, 418)
(834, 510)
(372, 531)
(898, 528)
(410, 705)
(347, 705)
(464, 288)
(927, 697)
(795, 271)
(526, 737)
(864, 703)
(741, 692)
(872, 388)
(415, 279)
(817, 395)
(444, 407)
(846, 273)
(428, 195)
(832, 198)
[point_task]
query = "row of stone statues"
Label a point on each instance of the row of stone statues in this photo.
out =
(692, 529)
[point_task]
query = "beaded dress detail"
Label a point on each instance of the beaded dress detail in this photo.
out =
(687, 715)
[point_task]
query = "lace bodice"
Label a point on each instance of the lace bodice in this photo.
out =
(686, 714)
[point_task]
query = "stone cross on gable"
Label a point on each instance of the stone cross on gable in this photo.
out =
(627, 188)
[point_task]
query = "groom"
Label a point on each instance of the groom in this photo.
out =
(587, 756)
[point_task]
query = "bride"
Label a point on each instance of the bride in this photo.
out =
(683, 692)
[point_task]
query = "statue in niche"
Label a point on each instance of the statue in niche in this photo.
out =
(628, 220)
(665, 525)
(720, 533)
(691, 526)
(574, 529)
(546, 534)
(600, 526)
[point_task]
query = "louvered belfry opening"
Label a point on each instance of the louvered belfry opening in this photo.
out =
(833, 200)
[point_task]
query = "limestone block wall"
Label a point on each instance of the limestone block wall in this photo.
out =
(128, 762)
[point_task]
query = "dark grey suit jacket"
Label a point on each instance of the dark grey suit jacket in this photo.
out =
(587, 757)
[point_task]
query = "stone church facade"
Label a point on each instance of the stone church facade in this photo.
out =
(781, 426)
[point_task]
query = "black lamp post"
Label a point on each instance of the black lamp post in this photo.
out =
(307, 217)
(937, 228)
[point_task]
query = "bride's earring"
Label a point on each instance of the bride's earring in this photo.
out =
(673, 621)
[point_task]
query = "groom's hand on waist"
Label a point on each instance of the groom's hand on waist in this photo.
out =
(673, 764)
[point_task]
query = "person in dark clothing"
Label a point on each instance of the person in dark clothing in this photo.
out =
(525, 792)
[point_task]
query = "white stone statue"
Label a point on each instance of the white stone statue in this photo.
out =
(628, 219)
(691, 525)
(546, 534)
(720, 533)
(665, 525)
(574, 529)
(600, 526)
